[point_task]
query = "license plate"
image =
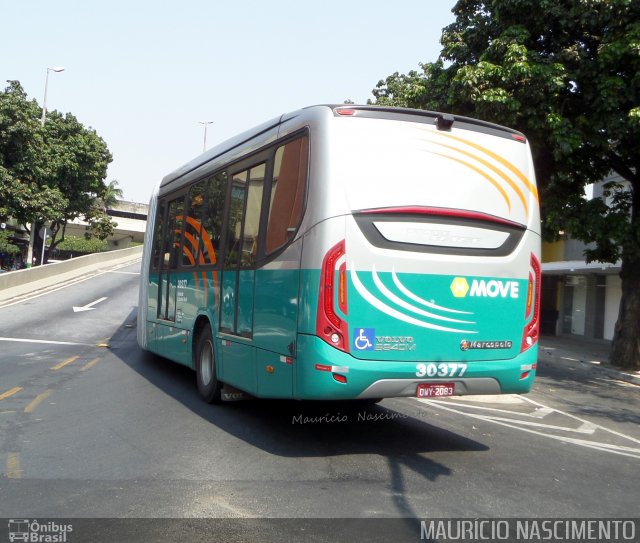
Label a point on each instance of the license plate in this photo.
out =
(435, 390)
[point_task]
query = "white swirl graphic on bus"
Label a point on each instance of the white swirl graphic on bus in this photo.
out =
(395, 313)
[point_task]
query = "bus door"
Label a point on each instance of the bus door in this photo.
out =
(169, 339)
(167, 281)
(238, 277)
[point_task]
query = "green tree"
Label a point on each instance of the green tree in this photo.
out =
(6, 246)
(23, 195)
(50, 174)
(566, 73)
(74, 244)
(111, 195)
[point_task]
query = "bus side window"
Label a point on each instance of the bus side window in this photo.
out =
(212, 218)
(193, 224)
(158, 239)
(252, 216)
(287, 192)
(234, 224)
(173, 235)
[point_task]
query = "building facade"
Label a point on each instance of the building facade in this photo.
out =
(579, 299)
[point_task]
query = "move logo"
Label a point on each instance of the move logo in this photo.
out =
(483, 288)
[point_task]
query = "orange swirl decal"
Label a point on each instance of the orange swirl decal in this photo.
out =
(485, 175)
(205, 256)
(521, 176)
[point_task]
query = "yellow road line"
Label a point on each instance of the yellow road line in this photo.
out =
(64, 363)
(13, 466)
(37, 401)
(11, 392)
(90, 365)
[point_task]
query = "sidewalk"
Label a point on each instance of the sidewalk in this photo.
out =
(590, 354)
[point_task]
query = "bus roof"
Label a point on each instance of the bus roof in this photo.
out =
(248, 139)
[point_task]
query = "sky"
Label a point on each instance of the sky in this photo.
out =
(145, 73)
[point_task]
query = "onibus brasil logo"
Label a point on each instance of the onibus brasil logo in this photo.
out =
(38, 532)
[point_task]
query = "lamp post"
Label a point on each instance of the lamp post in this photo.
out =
(44, 243)
(46, 85)
(205, 123)
(32, 236)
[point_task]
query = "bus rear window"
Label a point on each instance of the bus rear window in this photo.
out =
(287, 192)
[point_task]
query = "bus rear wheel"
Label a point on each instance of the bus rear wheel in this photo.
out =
(209, 387)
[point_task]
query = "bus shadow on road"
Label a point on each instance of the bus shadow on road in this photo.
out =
(401, 436)
(299, 428)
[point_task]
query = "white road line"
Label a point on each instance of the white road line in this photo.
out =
(88, 307)
(71, 282)
(537, 414)
(619, 434)
(516, 424)
(45, 341)
(522, 425)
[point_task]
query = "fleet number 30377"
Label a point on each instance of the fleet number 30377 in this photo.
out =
(450, 369)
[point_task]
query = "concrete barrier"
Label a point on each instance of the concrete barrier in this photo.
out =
(21, 282)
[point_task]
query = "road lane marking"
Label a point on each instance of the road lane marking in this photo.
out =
(64, 363)
(11, 392)
(90, 365)
(103, 343)
(88, 307)
(586, 427)
(619, 434)
(71, 282)
(37, 401)
(537, 414)
(14, 471)
(604, 447)
(49, 342)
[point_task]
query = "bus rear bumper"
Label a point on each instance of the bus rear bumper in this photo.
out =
(395, 388)
(323, 372)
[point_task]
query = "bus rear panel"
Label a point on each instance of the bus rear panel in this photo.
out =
(428, 273)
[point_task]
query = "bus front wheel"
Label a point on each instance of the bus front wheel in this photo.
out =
(209, 387)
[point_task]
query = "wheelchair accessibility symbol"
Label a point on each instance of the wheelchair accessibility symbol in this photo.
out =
(364, 339)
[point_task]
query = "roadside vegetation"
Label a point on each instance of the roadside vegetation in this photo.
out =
(567, 74)
(51, 172)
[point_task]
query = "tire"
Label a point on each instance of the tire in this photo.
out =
(209, 387)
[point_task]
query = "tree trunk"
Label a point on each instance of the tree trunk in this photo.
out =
(625, 350)
(37, 244)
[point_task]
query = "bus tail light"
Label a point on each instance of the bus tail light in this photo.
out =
(329, 326)
(532, 328)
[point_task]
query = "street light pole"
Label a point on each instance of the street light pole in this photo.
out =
(32, 236)
(44, 243)
(205, 123)
(46, 86)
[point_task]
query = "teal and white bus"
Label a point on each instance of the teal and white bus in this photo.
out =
(349, 252)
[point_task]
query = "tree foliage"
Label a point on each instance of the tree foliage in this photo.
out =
(75, 244)
(53, 173)
(567, 74)
(6, 246)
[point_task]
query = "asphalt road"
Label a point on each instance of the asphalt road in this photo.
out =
(91, 427)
